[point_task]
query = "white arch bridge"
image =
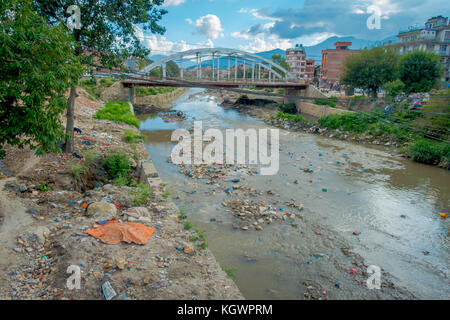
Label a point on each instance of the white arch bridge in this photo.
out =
(220, 68)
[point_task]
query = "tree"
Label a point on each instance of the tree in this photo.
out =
(107, 36)
(370, 69)
(172, 69)
(394, 88)
(36, 70)
(280, 60)
(419, 71)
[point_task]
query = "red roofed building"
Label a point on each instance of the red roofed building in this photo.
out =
(333, 61)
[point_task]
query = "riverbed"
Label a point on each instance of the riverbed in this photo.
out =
(382, 208)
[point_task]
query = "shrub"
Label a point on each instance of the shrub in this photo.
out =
(117, 111)
(131, 136)
(229, 271)
(427, 151)
(394, 88)
(291, 117)
(117, 164)
(187, 225)
(325, 102)
(349, 121)
(288, 108)
(141, 194)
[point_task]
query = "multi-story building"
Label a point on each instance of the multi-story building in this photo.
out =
(296, 59)
(433, 37)
(333, 61)
(309, 72)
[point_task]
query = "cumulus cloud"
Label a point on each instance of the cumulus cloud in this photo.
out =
(161, 45)
(168, 3)
(348, 17)
(262, 43)
(209, 26)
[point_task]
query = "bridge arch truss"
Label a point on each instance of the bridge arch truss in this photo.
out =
(216, 56)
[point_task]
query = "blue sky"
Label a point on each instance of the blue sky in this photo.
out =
(261, 25)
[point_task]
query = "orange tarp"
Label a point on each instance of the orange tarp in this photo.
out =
(113, 232)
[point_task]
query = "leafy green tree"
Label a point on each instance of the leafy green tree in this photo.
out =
(370, 69)
(279, 59)
(107, 35)
(419, 71)
(172, 69)
(394, 88)
(36, 70)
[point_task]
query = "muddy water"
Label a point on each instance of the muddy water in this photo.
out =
(392, 204)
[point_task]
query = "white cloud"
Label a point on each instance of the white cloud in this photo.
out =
(160, 45)
(257, 13)
(168, 3)
(261, 43)
(209, 26)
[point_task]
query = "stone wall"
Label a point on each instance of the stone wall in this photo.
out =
(116, 92)
(160, 100)
(316, 110)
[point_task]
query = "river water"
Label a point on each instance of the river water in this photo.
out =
(392, 204)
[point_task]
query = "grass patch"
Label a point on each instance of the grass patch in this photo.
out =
(229, 271)
(78, 170)
(131, 136)
(117, 164)
(187, 225)
(166, 194)
(141, 194)
(325, 103)
(182, 213)
(291, 117)
(430, 152)
(117, 111)
(152, 91)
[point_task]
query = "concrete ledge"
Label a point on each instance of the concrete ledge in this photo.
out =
(317, 110)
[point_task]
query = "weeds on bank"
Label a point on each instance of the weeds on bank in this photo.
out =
(229, 271)
(291, 117)
(430, 152)
(131, 137)
(141, 194)
(117, 111)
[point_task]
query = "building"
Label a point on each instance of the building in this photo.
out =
(433, 37)
(333, 61)
(309, 71)
(296, 59)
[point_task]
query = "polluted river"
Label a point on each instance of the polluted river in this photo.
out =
(337, 208)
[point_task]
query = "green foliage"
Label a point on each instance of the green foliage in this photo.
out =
(370, 69)
(43, 187)
(108, 27)
(131, 136)
(182, 213)
(187, 225)
(117, 111)
(141, 194)
(121, 180)
(78, 170)
(290, 108)
(166, 194)
(294, 118)
(394, 88)
(172, 69)
(91, 157)
(349, 121)
(325, 103)
(280, 60)
(419, 71)
(229, 271)
(36, 70)
(152, 91)
(117, 164)
(431, 152)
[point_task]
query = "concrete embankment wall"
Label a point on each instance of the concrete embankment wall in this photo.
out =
(159, 100)
(316, 110)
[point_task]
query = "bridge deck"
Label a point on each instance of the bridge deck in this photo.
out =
(218, 84)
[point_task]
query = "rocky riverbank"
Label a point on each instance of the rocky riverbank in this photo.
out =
(47, 204)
